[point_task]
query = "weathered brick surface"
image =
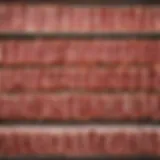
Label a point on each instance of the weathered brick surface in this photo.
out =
(47, 18)
(74, 106)
(81, 78)
(26, 52)
(79, 141)
(84, 71)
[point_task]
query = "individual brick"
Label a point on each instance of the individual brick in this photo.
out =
(79, 78)
(5, 17)
(51, 19)
(84, 52)
(12, 17)
(35, 17)
(64, 22)
(82, 107)
(82, 19)
(79, 141)
(156, 75)
(1, 53)
(18, 17)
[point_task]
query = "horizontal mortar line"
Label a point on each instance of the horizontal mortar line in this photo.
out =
(111, 36)
(79, 91)
(57, 128)
(87, 65)
(99, 157)
(141, 122)
(109, 4)
(65, 92)
(89, 2)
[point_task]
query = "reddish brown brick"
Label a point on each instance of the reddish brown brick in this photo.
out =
(12, 17)
(79, 141)
(74, 106)
(5, 17)
(26, 52)
(156, 75)
(54, 18)
(81, 78)
(1, 53)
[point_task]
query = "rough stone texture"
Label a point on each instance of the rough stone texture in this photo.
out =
(56, 18)
(79, 141)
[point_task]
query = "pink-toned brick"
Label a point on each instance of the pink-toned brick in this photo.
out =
(1, 52)
(35, 18)
(18, 18)
(84, 52)
(81, 78)
(5, 17)
(74, 106)
(79, 141)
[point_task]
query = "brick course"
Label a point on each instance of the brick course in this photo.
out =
(79, 141)
(79, 80)
(79, 52)
(80, 106)
(57, 18)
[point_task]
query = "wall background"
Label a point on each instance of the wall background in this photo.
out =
(75, 81)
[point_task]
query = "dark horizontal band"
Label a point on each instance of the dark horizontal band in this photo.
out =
(141, 122)
(81, 91)
(100, 65)
(134, 157)
(92, 2)
(111, 36)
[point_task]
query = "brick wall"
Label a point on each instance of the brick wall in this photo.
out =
(90, 93)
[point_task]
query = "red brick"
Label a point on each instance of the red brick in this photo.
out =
(18, 18)
(1, 52)
(81, 78)
(32, 52)
(74, 106)
(12, 17)
(79, 141)
(5, 17)
(156, 75)
(35, 18)
(87, 52)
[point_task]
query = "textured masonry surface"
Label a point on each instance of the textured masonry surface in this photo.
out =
(80, 141)
(57, 18)
(79, 80)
